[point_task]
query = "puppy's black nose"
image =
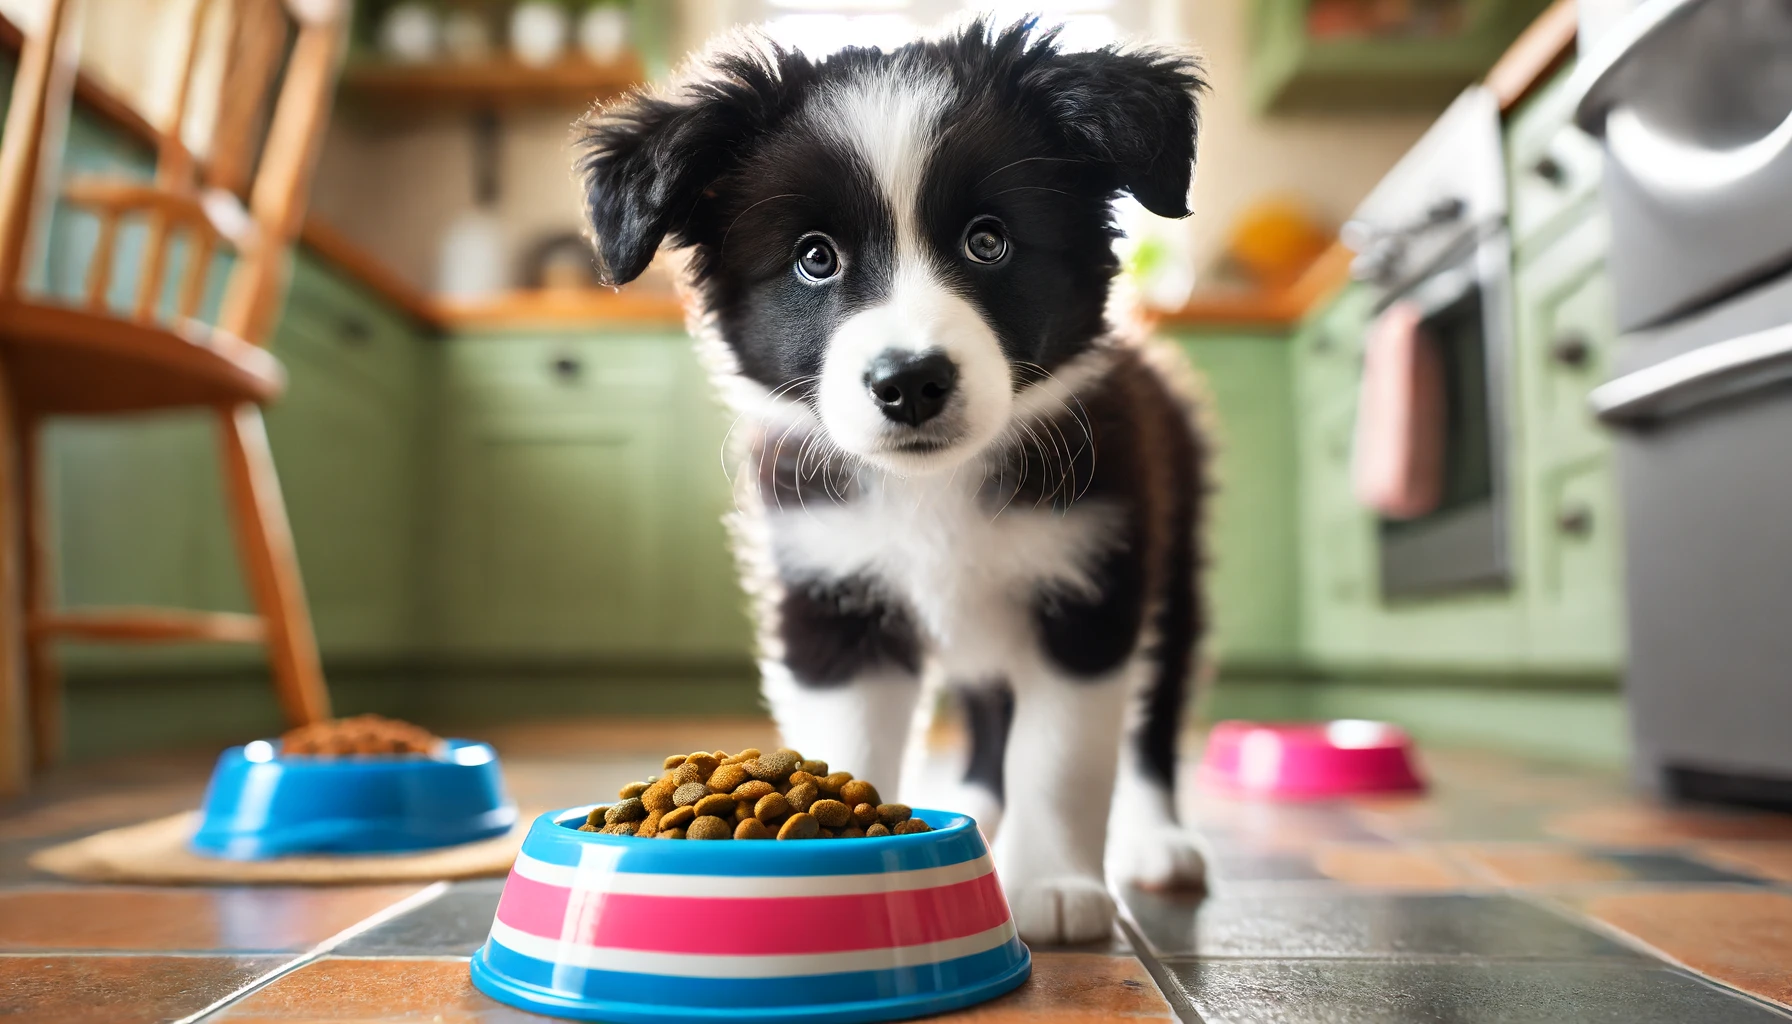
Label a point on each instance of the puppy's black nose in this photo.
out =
(911, 387)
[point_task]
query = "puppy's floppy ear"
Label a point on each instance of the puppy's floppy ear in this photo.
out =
(647, 161)
(1132, 110)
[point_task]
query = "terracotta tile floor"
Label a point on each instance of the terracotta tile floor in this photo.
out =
(1513, 892)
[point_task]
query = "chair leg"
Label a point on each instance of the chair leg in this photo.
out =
(15, 729)
(43, 675)
(265, 540)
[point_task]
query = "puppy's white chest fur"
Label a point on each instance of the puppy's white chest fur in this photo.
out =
(970, 575)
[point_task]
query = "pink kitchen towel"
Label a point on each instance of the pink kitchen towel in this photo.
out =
(1398, 462)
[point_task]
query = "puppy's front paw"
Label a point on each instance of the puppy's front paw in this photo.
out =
(1158, 858)
(1054, 911)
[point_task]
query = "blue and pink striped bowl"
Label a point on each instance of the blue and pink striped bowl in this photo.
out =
(621, 929)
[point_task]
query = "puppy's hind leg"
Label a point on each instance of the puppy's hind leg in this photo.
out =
(988, 710)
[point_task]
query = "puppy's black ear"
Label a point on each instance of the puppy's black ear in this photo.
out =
(1132, 110)
(647, 161)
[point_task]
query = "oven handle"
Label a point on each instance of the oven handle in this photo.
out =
(1695, 379)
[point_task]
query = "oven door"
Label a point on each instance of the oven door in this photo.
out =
(1464, 542)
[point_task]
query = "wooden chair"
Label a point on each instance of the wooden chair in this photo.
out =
(84, 358)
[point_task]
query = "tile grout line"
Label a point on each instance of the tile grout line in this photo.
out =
(417, 899)
(1172, 994)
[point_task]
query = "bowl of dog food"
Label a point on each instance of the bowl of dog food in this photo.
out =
(755, 887)
(352, 786)
(1308, 760)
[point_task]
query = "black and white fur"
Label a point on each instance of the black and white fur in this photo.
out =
(1030, 540)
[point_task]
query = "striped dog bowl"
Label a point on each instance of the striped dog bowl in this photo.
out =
(615, 928)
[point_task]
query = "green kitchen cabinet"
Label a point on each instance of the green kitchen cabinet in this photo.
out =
(1252, 578)
(580, 502)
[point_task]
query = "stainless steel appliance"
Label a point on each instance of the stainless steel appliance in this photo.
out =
(1693, 99)
(1434, 233)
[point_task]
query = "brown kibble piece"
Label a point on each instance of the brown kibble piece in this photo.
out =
(671, 833)
(753, 790)
(879, 829)
(709, 827)
(890, 814)
(771, 807)
(815, 768)
(628, 810)
(830, 784)
(826, 833)
(852, 832)
(596, 817)
(718, 804)
(632, 789)
(672, 762)
(685, 774)
(802, 795)
(588, 827)
(649, 826)
(795, 755)
(831, 813)
(678, 818)
(773, 767)
(658, 797)
(858, 791)
(911, 826)
(689, 793)
(864, 815)
(746, 755)
(752, 828)
(706, 763)
(799, 777)
(726, 778)
(800, 826)
(621, 828)
(743, 811)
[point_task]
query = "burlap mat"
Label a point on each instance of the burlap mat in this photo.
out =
(156, 853)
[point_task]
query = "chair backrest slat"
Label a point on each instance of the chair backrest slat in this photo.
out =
(171, 207)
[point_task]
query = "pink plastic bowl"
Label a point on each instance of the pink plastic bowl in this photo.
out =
(1308, 760)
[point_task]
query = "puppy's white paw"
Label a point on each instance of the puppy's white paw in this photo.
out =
(1158, 857)
(1055, 911)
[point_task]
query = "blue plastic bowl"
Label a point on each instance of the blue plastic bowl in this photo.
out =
(649, 931)
(260, 804)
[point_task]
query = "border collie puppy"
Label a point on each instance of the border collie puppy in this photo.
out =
(898, 265)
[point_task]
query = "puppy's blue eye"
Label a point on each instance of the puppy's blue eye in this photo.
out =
(816, 259)
(986, 242)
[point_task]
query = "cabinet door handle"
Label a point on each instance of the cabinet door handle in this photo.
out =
(1697, 378)
(567, 368)
(354, 332)
(1572, 350)
(1550, 170)
(1575, 520)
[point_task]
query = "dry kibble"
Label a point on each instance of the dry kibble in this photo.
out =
(802, 795)
(773, 767)
(726, 778)
(750, 795)
(709, 827)
(658, 797)
(771, 807)
(857, 792)
(831, 813)
(718, 804)
(800, 826)
(753, 790)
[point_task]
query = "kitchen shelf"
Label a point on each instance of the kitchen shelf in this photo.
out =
(1295, 72)
(496, 85)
